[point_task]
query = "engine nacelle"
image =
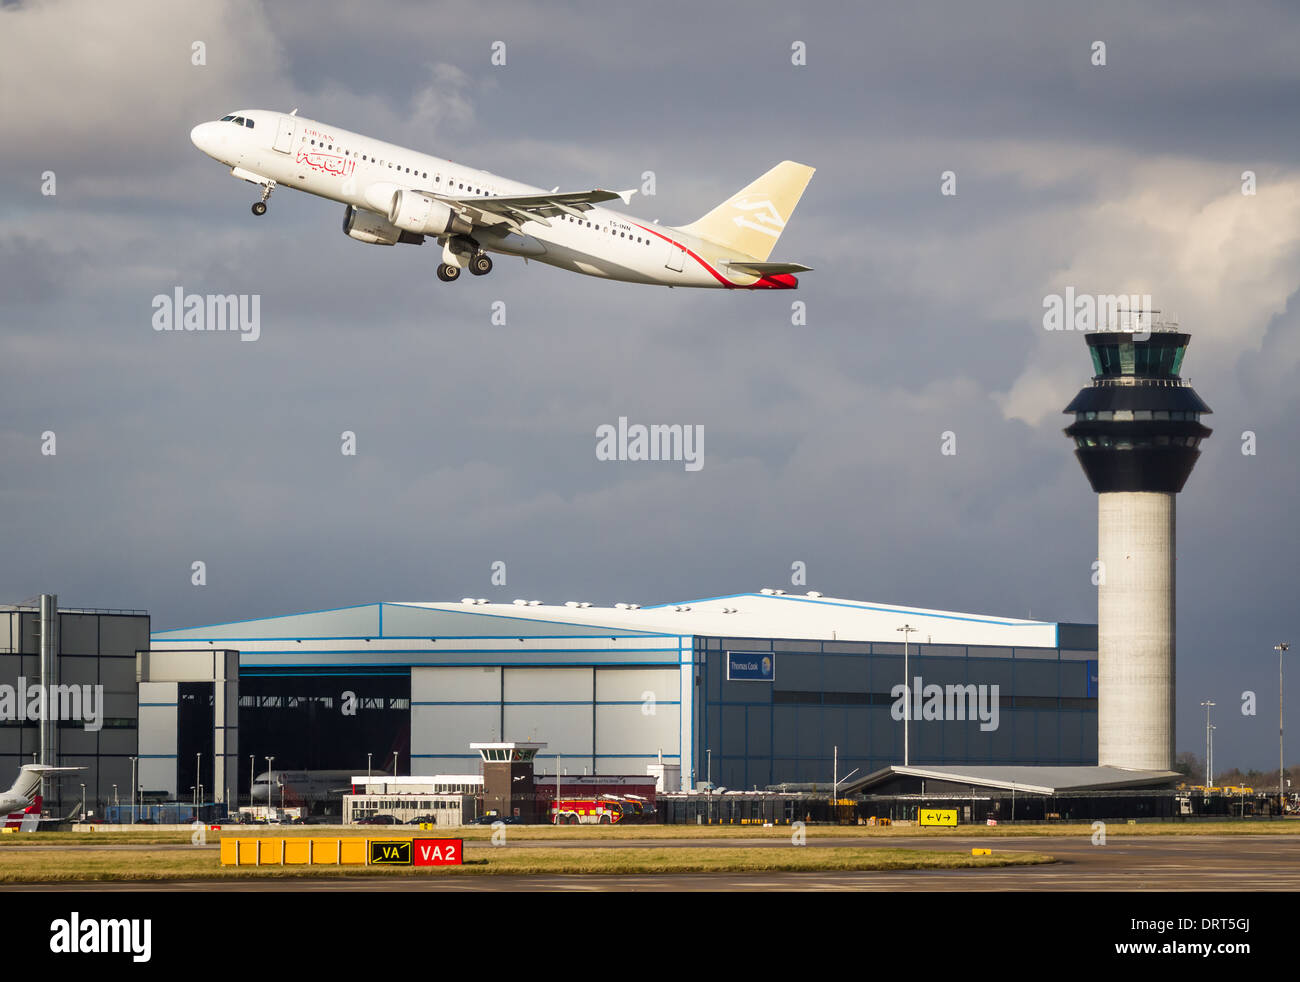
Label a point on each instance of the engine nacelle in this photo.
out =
(366, 226)
(419, 213)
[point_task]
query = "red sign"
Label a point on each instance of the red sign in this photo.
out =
(438, 852)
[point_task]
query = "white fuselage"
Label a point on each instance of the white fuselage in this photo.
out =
(365, 173)
(298, 787)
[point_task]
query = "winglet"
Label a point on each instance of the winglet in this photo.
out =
(627, 195)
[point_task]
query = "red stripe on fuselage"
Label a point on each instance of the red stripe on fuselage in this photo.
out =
(777, 281)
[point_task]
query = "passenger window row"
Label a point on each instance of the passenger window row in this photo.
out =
(623, 235)
(423, 175)
(460, 187)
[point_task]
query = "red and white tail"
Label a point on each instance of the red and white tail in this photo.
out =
(27, 820)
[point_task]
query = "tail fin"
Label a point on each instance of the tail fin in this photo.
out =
(753, 218)
(29, 779)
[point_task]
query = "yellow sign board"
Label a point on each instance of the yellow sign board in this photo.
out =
(939, 816)
(296, 851)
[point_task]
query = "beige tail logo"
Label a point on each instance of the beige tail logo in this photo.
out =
(771, 221)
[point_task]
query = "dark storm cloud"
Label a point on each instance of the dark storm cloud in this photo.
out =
(476, 441)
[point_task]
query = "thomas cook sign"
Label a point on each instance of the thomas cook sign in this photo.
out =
(751, 666)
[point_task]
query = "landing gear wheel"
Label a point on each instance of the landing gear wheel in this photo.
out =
(481, 264)
(448, 273)
(259, 207)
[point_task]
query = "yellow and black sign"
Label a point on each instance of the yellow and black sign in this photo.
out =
(939, 816)
(390, 852)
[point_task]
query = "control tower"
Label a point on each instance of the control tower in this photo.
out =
(1136, 431)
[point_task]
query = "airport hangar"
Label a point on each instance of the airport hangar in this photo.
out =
(749, 690)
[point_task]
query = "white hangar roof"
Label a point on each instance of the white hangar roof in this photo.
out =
(767, 614)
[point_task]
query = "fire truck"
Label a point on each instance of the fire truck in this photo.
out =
(605, 810)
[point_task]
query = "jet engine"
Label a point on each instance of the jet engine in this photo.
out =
(366, 226)
(419, 213)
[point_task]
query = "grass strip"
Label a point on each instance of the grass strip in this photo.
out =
(202, 864)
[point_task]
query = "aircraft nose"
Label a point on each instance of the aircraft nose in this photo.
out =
(205, 136)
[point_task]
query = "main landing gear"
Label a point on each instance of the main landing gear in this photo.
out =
(259, 207)
(480, 264)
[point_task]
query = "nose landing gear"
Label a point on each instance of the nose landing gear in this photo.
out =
(259, 207)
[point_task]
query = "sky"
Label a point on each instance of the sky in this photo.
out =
(823, 433)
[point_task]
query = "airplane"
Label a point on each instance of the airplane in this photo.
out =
(21, 804)
(393, 195)
(301, 787)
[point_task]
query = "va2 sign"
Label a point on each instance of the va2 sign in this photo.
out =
(438, 852)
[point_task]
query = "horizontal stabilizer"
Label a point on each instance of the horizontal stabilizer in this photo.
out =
(767, 269)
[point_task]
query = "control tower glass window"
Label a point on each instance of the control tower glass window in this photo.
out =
(1143, 359)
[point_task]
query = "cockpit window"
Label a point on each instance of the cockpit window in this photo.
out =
(227, 119)
(239, 120)
(248, 123)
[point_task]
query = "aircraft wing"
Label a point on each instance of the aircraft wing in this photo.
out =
(514, 210)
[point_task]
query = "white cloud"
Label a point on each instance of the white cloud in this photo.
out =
(92, 80)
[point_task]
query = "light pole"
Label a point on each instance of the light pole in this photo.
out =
(119, 818)
(250, 780)
(83, 802)
(708, 781)
(907, 630)
(198, 771)
(1207, 706)
(368, 756)
(557, 789)
(1280, 648)
(133, 787)
(1212, 729)
(269, 803)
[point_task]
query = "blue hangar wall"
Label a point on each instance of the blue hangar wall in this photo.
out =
(827, 694)
(421, 681)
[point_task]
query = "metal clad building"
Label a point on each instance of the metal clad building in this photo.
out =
(91, 648)
(751, 689)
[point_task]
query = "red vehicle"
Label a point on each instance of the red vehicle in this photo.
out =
(587, 811)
